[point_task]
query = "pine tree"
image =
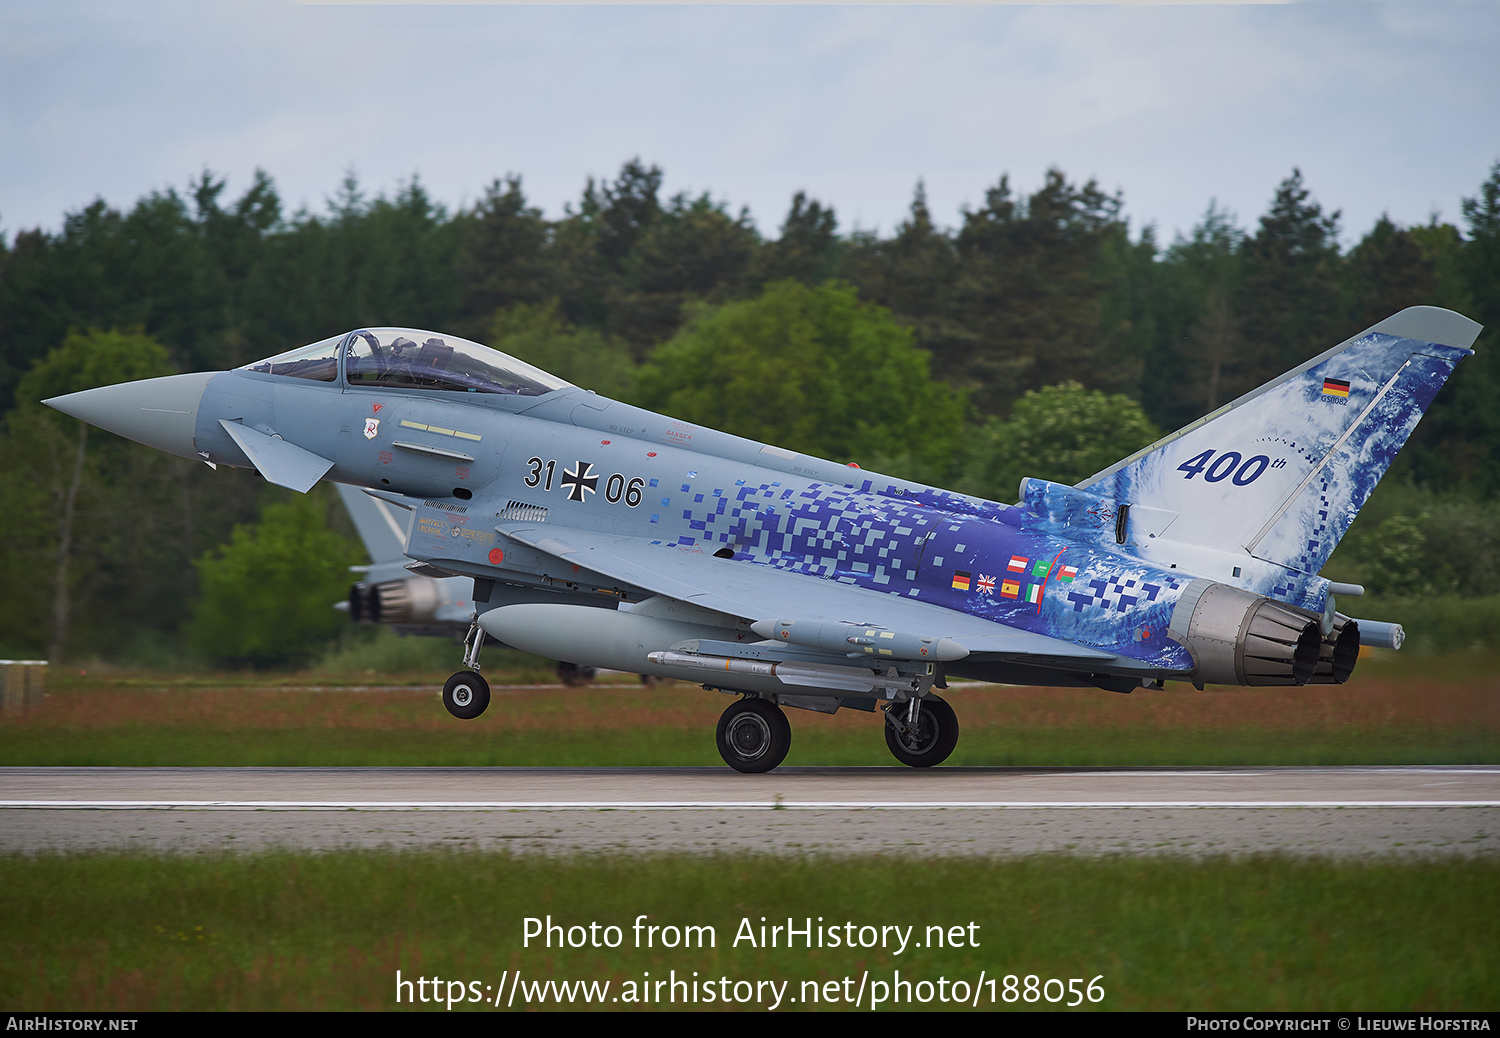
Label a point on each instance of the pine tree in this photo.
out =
(502, 260)
(1290, 306)
(1386, 272)
(808, 249)
(1030, 289)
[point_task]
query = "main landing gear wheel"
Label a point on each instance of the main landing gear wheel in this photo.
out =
(930, 740)
(754, 736)
(466, 695)
(573, 675)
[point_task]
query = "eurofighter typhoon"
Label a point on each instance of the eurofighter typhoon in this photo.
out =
(609, 536)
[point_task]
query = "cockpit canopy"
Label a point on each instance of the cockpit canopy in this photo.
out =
(406, 358)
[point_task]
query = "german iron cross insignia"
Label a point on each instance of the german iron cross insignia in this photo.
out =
(579, 482)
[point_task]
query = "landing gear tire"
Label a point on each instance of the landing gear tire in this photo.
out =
(573, 675)
(754, 736)
(466, 695)
(934, 738)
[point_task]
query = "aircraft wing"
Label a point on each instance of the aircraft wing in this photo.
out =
(760, 592)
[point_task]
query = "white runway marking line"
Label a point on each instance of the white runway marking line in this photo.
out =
(712, 805)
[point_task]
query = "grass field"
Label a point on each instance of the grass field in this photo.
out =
(305, 931)
(1395, 712)
(292, 930)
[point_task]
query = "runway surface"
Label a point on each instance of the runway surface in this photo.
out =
(1336, 811)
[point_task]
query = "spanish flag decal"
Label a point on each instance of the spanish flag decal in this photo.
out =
(960, 580)
(1336, 387)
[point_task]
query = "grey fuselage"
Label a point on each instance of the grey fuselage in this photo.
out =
(467, 462)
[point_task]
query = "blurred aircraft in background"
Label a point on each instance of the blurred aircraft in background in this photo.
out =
(410, 604)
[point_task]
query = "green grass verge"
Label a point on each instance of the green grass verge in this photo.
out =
(631, 746)
(309, 931)
(1445, 712)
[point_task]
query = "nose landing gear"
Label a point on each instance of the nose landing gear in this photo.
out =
(467, 694)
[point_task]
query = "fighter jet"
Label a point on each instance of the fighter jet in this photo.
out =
(602, 533)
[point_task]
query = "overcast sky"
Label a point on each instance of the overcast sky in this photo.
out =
(1386, 107)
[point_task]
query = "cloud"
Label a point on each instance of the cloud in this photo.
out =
(1384, 106)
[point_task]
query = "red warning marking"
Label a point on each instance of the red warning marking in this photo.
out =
(496, 556)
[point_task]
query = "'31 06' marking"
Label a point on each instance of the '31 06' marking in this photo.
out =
(1229, 464)
(581, 480)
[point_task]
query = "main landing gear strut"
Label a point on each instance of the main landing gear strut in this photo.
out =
(467, 694)
(754, 735)
(921, 732)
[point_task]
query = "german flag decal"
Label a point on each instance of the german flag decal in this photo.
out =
(1336, 387)
(960, 580)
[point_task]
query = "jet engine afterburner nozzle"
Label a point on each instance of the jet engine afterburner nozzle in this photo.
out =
(1241, 638)
(1338, 652)
(410, 600)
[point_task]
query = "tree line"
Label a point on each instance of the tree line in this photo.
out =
(1039, 336)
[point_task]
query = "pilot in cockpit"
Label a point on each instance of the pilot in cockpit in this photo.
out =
(434, 355)
(400, 361)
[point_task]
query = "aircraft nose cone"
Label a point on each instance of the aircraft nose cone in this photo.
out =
(159, 412)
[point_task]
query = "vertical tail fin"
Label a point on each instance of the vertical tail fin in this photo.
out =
(1281, 472)
(381, 527)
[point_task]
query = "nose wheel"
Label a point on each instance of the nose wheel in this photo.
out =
(921, 732)
(466, 695)
(754, 736)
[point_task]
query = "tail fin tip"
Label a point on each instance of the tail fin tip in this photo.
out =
(1431, 324)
